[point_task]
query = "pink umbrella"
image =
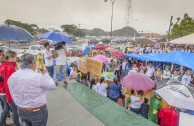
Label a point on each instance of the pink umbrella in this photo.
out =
(116, 53)
(101, 58)
(138, 81)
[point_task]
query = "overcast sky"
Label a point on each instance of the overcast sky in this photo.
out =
(148, 15)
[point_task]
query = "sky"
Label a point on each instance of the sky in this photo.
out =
(145, 15)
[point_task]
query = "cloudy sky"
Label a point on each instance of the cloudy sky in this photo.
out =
(148, 15)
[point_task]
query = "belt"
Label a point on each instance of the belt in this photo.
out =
(32, 109)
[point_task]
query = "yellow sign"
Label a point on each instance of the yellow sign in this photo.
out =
(94, 66)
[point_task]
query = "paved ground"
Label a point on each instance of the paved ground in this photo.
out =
(64, 110)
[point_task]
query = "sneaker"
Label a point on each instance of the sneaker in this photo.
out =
(65, 82)
(56, 83)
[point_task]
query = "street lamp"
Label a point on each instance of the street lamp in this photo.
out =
(112, 1)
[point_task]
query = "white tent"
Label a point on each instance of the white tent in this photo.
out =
(188, 40)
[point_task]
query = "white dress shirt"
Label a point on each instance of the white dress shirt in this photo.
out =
(28, 88)
(48, 62)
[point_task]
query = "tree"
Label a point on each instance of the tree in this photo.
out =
(72, 29)
(182, 27)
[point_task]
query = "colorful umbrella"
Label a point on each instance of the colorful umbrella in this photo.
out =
(178, 95)
(87, 50)
(55, 36)
(101, 58)
(108, 75)
(132, 50)
(138, 81)
(116, 53)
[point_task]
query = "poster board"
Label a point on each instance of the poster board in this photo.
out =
(82, 65)
(94, 66)
(186, 119)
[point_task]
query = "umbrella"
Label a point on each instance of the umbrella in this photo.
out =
(116, 53)
(131, 50)
(55, 36)
(101, 58)
(14, 33)
(108, 75)
(137, 82)
(110, 49)
(178, 95)
(86, 50)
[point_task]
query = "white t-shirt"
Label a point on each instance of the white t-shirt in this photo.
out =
(186, 79)
(102, 89)
(48, 62)
(150, 71)
(73, 73)
(61, 59)
(134, 103)
(123, 65)
(166, 74)
(94, 88)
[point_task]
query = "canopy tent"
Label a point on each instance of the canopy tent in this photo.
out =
(188, 40)
(180, 58)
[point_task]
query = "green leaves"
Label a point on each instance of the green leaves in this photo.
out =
(182, 27)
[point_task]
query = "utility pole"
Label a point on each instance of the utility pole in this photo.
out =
(168, 37)
(112, 2)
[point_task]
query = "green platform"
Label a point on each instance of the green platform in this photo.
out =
(108, 112)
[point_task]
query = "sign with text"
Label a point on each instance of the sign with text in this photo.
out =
(94, 66)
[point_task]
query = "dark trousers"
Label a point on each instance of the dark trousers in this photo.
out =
(135, 110)
(6, 110)
(118, 74)
(33, 118)
(50, 70)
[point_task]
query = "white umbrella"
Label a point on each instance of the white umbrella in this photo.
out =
(177, 95)
(188, 40)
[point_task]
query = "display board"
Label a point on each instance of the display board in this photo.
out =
(82, 65)
(94, 66)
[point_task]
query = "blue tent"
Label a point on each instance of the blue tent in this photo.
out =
(180, 58)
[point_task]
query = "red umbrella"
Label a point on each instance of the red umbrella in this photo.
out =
(116, 53)
(138, 81)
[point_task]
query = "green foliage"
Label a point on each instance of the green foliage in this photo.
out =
(182, 27)
(32, 28)
(97, 32)
(126, 31)
(72, 29)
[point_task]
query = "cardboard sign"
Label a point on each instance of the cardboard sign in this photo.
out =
(94, 66)
(82, 65)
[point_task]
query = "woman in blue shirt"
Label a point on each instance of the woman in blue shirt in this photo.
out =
(114, 90)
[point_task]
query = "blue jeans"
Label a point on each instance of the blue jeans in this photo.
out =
(50, 70)
(33, 118)
(124, 73)
(135, 110)
(6, 110)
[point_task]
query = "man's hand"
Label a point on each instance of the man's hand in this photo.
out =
(43, 71)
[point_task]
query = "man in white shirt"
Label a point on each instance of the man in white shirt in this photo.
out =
(60, 54)
(48, 57)
(150, 70)
(28, 90)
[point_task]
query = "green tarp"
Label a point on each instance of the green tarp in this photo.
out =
(108, 112)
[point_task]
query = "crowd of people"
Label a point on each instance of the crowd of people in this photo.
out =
(23, 84)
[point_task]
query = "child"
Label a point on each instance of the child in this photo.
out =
(78, 76)
(40, 61)
(84, 80)
(73, 73)
(144, 108)
(93, 85)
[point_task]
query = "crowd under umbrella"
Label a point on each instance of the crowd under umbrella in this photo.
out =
(137, 82)
(14, 33)
(101, 58)
(177, 95)
(55, 36)
(116, 53)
